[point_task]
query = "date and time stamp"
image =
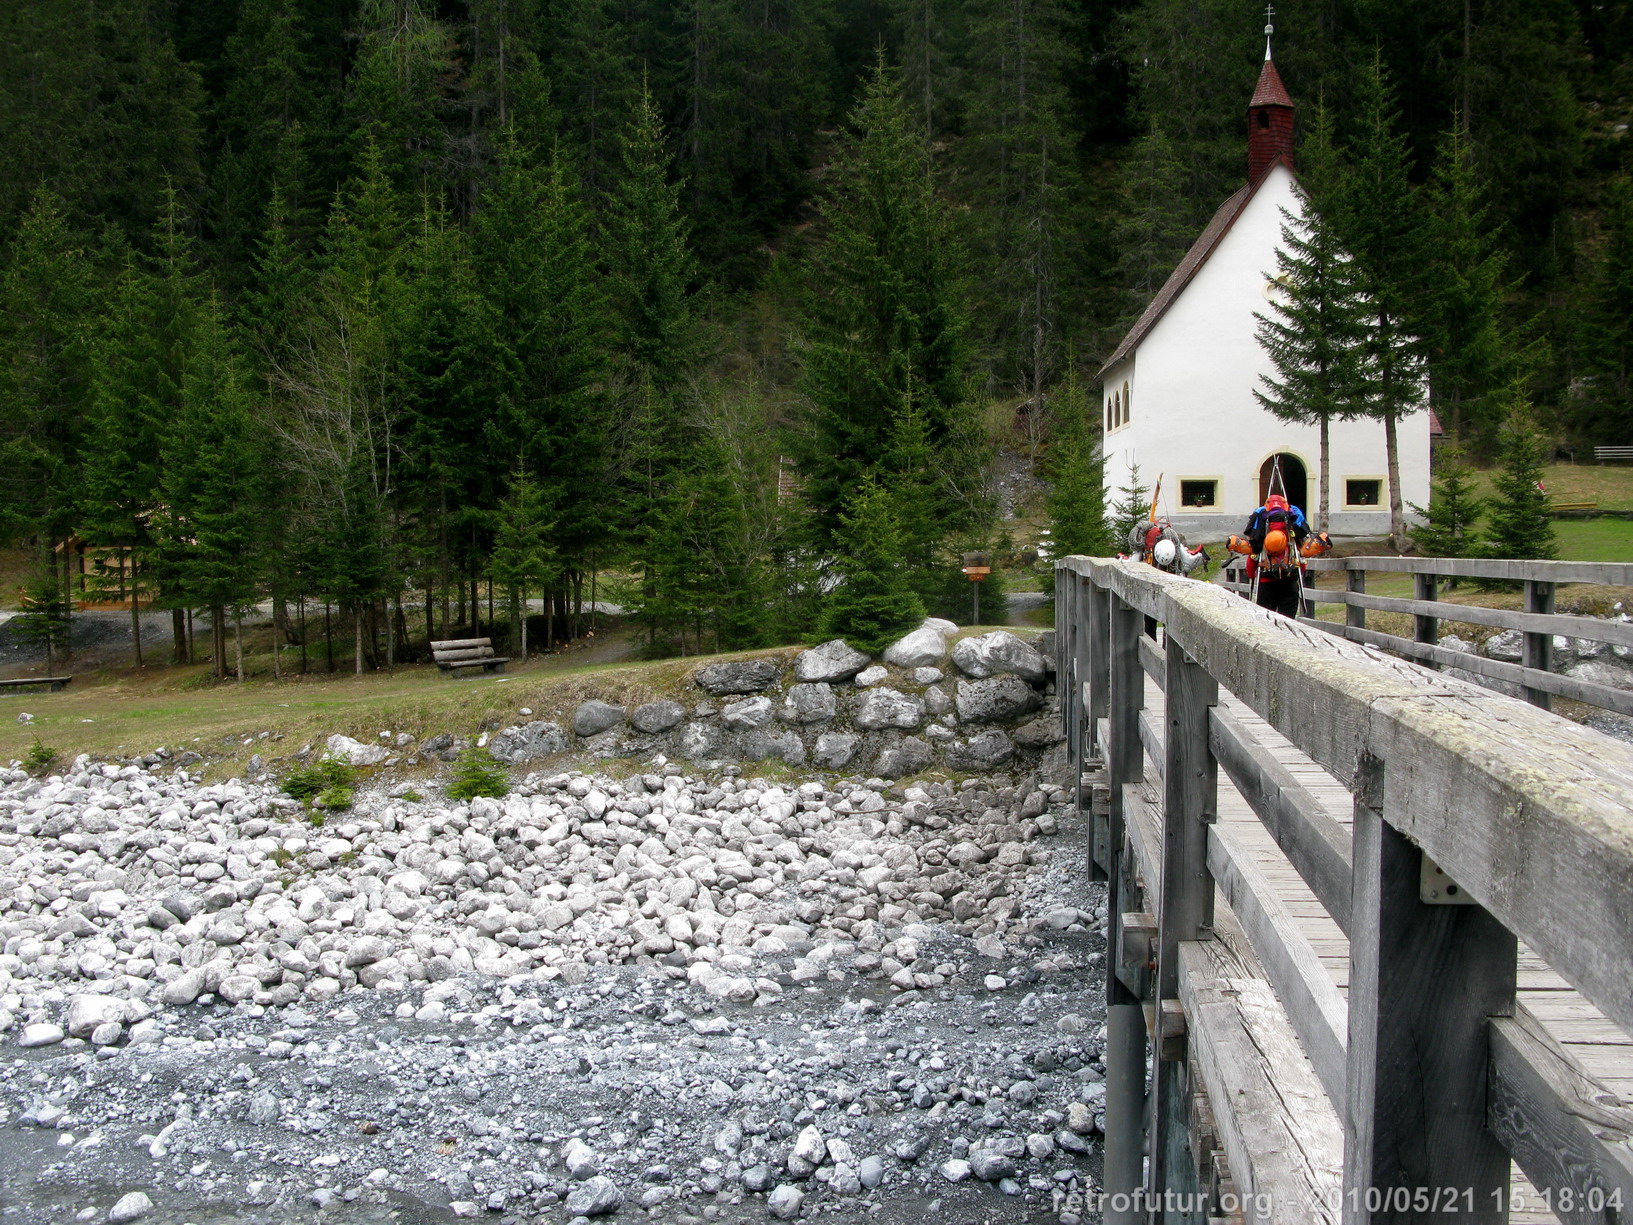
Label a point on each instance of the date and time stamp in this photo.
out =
(1394, 1202)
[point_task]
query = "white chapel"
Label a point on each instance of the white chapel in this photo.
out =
(1178, 392)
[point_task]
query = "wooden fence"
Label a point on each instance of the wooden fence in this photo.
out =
(1478, 822)
(1538, 622)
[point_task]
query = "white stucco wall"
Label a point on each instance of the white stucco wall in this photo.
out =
(1193, 413)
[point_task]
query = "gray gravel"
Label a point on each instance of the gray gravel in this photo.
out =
(829, 1049)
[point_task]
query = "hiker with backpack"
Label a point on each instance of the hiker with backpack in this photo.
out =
(1275, 542)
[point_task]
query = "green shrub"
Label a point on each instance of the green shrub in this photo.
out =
(334, 799)
(476, 773)
(327, 773)
(39, 757)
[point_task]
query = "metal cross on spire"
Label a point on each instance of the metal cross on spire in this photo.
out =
(1269, 27)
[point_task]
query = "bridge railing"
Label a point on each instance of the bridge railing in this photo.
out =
(1538, 622)
(1478, 822)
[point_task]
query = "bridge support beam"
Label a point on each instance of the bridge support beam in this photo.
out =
(1125, 1114)
(1423, 981)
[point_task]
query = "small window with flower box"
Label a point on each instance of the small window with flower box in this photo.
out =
(1363, 490)
(1198, 493)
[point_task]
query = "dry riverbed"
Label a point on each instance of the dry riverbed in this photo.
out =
(666, 997)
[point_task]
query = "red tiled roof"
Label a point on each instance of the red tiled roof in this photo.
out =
(1203, 247)
(1270, 91)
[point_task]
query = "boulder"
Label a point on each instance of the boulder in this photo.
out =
(1599, 672)
(87, 1012)
(920, 649)
(760, 744)
(910, 756)
(834, 750)
(809, 703)
(998, 699)
(594, 717)
(355, 751)
(981, 754)
(1040, 733)
(869, 677)
(936, 701)
(594, 1196)
(737, 676)
(884, 708)
(528, 742)
(747, 713)
(999, 653)
(699, 740)
(830, 662)
(656, 717)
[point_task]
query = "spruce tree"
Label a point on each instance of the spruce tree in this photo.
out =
(874, 604)
(1450, 523)
(1076, 469)
(1470, 351)
(47, 334)
(1519, 525)
(1315, 334)
(1133, 505)
(883, 308)
(1606, 337)
(523, 558)
(1153, 227)
(213, 495)
(1378, 218)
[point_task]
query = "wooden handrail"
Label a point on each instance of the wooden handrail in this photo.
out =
(1529, 815)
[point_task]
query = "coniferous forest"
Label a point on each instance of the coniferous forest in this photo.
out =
(405, 312)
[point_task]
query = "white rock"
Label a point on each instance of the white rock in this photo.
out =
(356, 752)
(41, 1033)
(87, 1012)
(132, 1206)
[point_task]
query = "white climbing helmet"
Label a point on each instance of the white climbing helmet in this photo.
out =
(1164, 552)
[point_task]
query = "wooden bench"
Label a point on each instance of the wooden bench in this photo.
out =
(1603, 453)
(29, 682)
(457, 654)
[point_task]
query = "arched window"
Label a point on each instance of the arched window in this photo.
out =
(1128, 404)
(1110, 423)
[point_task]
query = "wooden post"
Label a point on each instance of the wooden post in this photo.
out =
(1093, 691)
(1539, 648)
(1425, 628)
(1190, 788)
(1099, 657)
(1423, 981)
(1355, 580)
(1124, 757)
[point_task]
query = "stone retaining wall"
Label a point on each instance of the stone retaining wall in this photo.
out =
(972, 706)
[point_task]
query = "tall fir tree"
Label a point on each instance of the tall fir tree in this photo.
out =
(47, 339)
(213, 490)
(874, 604)
(1605, 339)
(1019, 164)
(523, 558)
(1315, 333)
(1378, 217)
(1470, 351)
(1077, 495)
(1153, 226)
(884, 307)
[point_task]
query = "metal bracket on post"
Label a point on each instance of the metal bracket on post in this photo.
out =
(1435, 888)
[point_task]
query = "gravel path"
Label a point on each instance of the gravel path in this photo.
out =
(684, 999)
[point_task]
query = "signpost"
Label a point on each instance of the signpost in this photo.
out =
(977, 566)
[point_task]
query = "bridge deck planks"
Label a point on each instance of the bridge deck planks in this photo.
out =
(1603, 1050)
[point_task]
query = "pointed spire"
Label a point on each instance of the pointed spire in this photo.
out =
(1269, 114)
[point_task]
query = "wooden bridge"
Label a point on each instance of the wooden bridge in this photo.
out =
(1371, 949)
